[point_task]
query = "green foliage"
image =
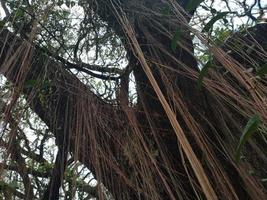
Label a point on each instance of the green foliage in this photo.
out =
(220, 34)
(5, 186)
(251, 127)
(262, 71)
(19, 15)
(2, 24)
(175, 39)
(30, 83)
(14, 184)
(45, 167)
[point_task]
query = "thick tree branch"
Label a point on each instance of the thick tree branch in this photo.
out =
(65, 92)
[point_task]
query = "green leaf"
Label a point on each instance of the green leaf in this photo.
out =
(262, 71)
(203, 72)
(2, 24)
(19, 14)
(175, 39)
(250, 128)
(14, 184)
(209, 25)
(30, 83)
(193, 4)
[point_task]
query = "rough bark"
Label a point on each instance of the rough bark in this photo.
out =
(67, 89)
(201, 104)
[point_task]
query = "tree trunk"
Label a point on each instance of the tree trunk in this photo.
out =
(134, 151)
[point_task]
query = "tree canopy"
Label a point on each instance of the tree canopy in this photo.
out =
(133, 99)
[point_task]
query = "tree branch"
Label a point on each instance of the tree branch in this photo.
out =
(58, 108)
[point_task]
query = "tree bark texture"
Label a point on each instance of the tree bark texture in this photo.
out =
(99, 134)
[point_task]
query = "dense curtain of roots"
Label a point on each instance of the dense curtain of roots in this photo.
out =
(180, 147)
